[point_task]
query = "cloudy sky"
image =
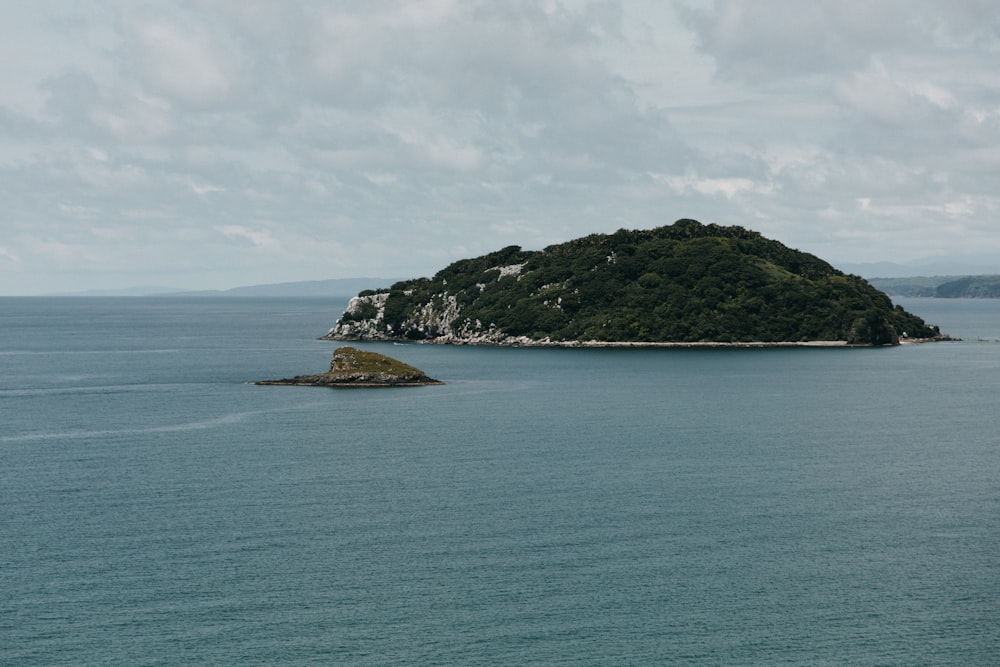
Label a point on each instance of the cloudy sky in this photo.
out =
(217, 143)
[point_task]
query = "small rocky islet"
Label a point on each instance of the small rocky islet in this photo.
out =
(351, 367)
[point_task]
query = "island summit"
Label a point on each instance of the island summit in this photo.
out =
(686, 283)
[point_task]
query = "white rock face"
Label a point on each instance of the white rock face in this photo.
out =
(510, 270)
(434, 321)
(365, 329)
(378, 300)
(431, 323)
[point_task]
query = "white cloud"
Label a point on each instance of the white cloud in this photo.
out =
(256, 237)
(206, 188)
(182, 59)
(113, 233)
(8, 258)
(72, 254)
(79, 212)
(118, 178)
(893, 99)
(727, 187)
(335, 139)
(764, 40)
(88, 111)
(934, 94)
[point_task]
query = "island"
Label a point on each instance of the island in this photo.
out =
(685, 283)
(351, 367)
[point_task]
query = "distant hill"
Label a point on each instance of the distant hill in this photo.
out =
(138, 290)
(687, 282)
(333, 287)
(968, 265)
(942, 287)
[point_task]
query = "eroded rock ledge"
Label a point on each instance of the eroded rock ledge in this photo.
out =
(351, 367)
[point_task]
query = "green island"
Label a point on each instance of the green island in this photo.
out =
(351, 367)
(686, 283)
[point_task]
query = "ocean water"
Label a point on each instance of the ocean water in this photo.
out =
(544, 507)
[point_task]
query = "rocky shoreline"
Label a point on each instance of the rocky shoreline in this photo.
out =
(326, 380)
(523, 341)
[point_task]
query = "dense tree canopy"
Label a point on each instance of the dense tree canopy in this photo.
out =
(681, 283)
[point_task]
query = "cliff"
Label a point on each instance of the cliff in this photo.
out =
(351, 367)
(683, 283)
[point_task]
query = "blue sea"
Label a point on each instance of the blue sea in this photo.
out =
(543, 507)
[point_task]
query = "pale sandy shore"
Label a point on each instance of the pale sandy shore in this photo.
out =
(699, 344)
(710, 344)
(809, 343)
(597, 343)
(527, 342)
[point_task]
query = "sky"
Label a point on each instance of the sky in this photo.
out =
(208, 144)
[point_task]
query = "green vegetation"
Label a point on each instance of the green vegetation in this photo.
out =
(686, 282)
(350, 360)
(366, 310)
(352, 367)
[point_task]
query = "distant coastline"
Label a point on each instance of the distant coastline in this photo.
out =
(336, 287)
(938, 287)
(941, 287)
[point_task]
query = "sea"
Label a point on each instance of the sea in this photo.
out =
(803, 506)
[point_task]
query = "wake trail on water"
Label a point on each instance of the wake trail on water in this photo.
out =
(199, 425)
(84, 389)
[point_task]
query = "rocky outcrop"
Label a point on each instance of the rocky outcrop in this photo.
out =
(351, 367)
(431, 321)
(879, 333)
(364, 319)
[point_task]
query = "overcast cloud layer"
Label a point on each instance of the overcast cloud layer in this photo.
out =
(215, 143)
